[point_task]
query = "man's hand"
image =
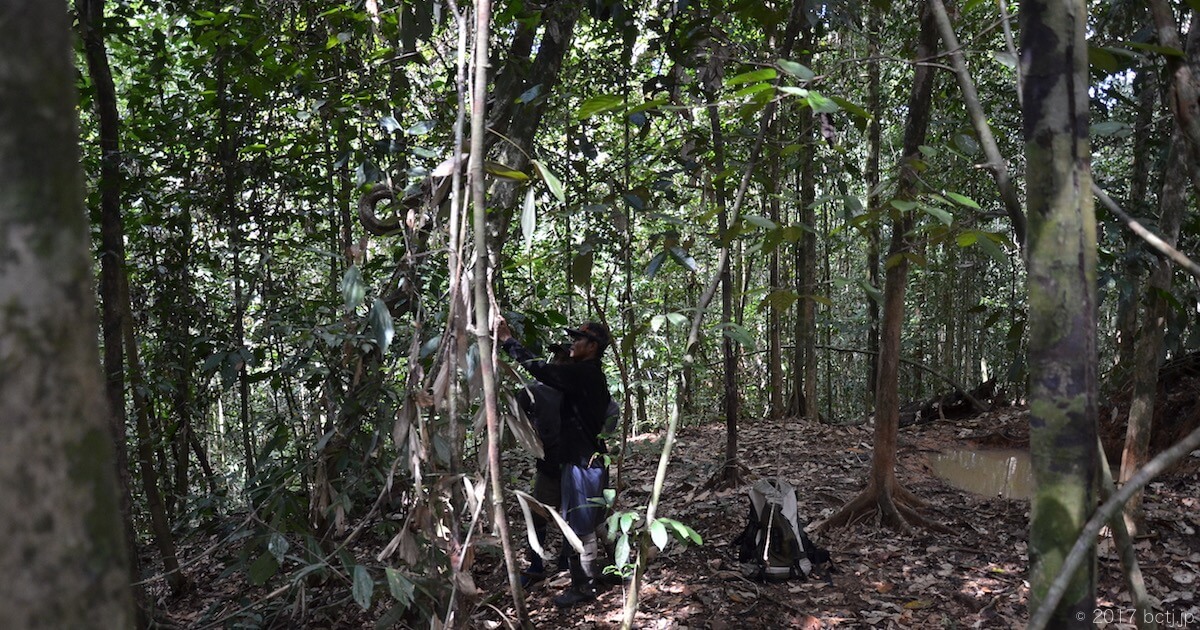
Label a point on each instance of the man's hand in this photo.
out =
(503, 333)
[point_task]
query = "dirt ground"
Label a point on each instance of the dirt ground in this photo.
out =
(974, 577)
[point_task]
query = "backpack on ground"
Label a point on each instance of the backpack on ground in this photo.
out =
(773, 547)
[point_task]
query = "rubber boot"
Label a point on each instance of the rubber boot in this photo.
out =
(583, 576)
(537, 569)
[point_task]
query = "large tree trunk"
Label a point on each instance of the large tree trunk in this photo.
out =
(1062, 303)
(64, 557)
(112, 261)
(883, 493)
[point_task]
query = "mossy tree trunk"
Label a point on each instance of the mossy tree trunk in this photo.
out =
(1062, 300)
(64, 555)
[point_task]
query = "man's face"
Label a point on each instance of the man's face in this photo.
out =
(583, 348)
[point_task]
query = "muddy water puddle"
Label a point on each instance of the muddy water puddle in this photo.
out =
(994, 473)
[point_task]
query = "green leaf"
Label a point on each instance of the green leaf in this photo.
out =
(400, 587)
(752, 89)
(627, 521)
(610, 495)
(389, 124)
(872, 292)
(598, 104)
(278, 546)
(552, 182)
(739, 334)
(822, 105)
(677, 319)
(382, 325)
(902, 205)
(658, 533)
(794, 91)
(851, 107)
(684, 259)
(780, 300)
(761, 222)
(529, 218)
(941, 215)
(967, 239)
(963, 200)
(364, 587)
(1162, 50)
(797, 70)
(655, 264)
(622, 551)
(754, 76)
(353, 289)
(262, 569)
(530, 94)
(993, 250)
(421, 128)
(507, 172)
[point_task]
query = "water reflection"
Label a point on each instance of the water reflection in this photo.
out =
(993, 473)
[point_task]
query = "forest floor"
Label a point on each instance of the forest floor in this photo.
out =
(974, 577)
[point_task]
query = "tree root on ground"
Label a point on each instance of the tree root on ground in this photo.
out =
(896, 509)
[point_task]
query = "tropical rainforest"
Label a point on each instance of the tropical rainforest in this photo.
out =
(254, 254)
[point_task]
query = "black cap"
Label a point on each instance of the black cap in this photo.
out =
(594, 331)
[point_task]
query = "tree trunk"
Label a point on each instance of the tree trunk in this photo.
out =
(775, 314)
(112, 262)
(1062, 304)
(1146, 86)
(64, 555)
(883, 493)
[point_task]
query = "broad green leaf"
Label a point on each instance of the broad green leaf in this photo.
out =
(278, 546)
(1005, 59)
(598, 104)
(353, 289)
(797, 70)
(262, 569)
(400, 586)
(507, 172)
(677, 319)
(658, 533)
(552, 182)
(684, 259)
(655, 264)
(389, 124)
(627, 522)
(821, 104)
(820, 299)
(610, 495)
(622, 551)
(851, 107)
(941, 215)
(761, 222)
(753, 89)
(794, 91)
(530, 94)
(364, 587)
(993, 250)
(740, 335)
(780, 300)
(754, 76)
(1102, 59)
(1162, 50)
(421, 128)
(382, 325)
(902, 205)
(963, 200)
(967, 239)
(657, 322)
(529, 218)
(871, 291)
(649, 105)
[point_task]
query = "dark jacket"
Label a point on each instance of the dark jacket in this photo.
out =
(585, 400)
(543, 405)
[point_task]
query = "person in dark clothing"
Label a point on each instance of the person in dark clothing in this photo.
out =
(585, 406)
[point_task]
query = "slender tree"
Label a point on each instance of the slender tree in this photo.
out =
(883, 493)
(64, 557)
(1062, 300)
